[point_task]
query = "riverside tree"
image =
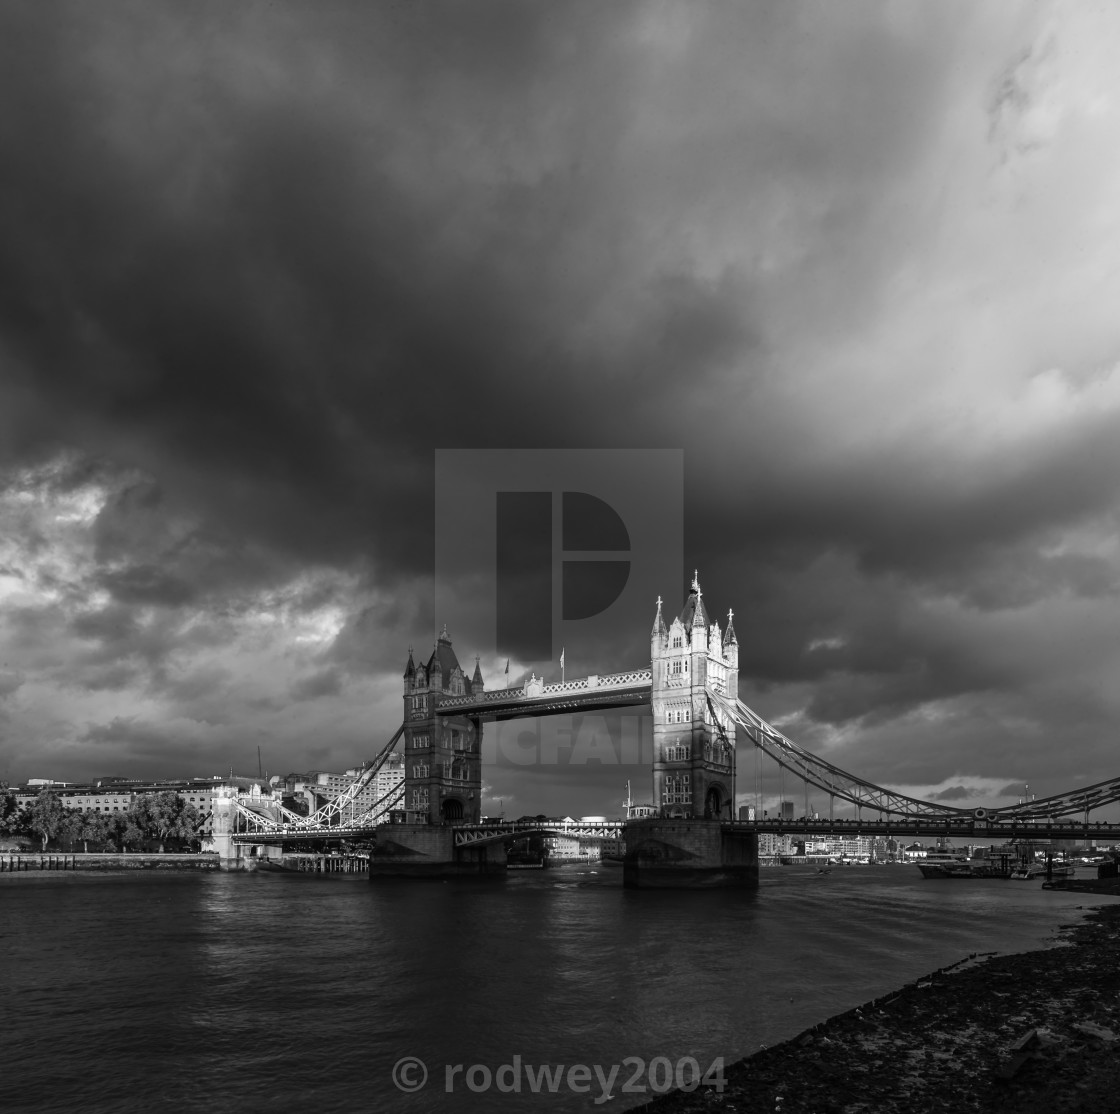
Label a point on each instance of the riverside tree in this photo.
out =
(9, 813)
(47, 815)
(165, 816)
(128, 829)
(93, 826)
(69, 832)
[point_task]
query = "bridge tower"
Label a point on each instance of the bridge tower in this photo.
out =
(694, 742)
(442, 754)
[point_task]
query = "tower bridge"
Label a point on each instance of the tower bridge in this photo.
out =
(430, 825)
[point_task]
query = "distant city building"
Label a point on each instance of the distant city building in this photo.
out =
(564, 847)
(857, 847)
(613, 848)
(575, 847)
(771, 843)
(92, 799)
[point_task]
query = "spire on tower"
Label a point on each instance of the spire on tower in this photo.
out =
(694, 613)
(659, 620)
(729, 638)
(410, 669)
(477, 684)
(699, 616)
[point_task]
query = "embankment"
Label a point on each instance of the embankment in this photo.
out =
(1032, 1033)
(58, 860)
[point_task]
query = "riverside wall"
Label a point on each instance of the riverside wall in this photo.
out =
(18, 862)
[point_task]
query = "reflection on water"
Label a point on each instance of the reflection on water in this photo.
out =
(240, 992)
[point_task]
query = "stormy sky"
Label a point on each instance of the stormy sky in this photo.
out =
(860, 262)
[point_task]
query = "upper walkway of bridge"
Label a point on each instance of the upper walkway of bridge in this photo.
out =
(535, 698)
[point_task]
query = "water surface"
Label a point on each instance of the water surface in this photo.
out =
(215, 992)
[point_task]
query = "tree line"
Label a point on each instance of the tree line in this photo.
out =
(152, 817)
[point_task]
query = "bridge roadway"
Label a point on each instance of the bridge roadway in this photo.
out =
(466, 835)
(976, 831)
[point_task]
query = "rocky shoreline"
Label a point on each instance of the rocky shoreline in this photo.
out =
(1032, 1033)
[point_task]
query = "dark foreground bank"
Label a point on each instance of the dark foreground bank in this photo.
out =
(1035, 1033)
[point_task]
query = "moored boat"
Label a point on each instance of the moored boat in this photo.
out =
(961, 869)
(945, 864)
(989, 863)
(1056, 870)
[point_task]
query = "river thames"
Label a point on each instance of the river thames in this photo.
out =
(260, 992)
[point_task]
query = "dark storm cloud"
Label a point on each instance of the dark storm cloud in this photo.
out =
(256, 263)
(279, 300)
(324, 683)
(232, 280)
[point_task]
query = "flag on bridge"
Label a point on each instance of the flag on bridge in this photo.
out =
(507, 673)
(561, 663)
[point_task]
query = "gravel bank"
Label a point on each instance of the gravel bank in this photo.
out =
(1034, 1033)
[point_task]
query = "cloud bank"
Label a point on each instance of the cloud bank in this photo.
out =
(257, 264)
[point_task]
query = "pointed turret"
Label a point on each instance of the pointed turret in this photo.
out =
(477, 685)
(731, 655)
(694, 614)
(443, 663)
(699, 614)
(659, 628)
(729, 638)
(410, 669)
